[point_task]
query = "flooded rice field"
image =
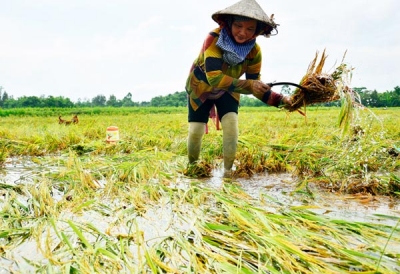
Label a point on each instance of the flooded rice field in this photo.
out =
(162, 220)
(281, 188)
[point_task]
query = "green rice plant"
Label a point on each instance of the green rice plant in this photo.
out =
(102, 253)
(14, 236)
(80, 235)
(346, 115)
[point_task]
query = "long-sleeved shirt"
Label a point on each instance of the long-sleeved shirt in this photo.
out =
(209, 74)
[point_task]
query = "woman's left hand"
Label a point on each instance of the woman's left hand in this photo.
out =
(287, 100)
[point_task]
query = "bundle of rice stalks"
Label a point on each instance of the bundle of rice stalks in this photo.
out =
(318, 86)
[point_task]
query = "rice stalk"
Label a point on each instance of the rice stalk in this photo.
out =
(66, 240)
(319, 86)
(346, 113)
(156, 264)
(112, 256)
(80, 235)
(41, 202)
(3, 154)
(85, 204)
(387, 242)
(15, 236)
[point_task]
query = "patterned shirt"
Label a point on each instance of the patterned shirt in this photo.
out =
(210, 75)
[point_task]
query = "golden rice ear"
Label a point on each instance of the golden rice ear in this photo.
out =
(321, 64)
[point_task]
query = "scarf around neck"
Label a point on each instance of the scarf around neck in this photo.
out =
(233, 53)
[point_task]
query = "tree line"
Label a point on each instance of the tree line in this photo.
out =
(369, 98)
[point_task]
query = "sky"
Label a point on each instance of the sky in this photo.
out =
(83, 48)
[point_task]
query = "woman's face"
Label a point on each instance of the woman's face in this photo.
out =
(242, 31)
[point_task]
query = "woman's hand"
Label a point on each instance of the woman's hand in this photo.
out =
(287, 100)
(259, 88)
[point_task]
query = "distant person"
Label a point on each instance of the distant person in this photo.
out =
(228, 52)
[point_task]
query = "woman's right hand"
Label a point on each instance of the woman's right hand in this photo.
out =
(259, 88)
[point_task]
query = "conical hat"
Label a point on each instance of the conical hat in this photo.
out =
(248, 8)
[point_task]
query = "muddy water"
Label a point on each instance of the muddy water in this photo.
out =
(281, 187)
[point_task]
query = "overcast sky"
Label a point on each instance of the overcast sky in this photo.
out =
(83, 48)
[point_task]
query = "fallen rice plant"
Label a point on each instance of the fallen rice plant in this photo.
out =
(236, 236)
(126, 208)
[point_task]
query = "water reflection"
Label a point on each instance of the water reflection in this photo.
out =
(281, 187)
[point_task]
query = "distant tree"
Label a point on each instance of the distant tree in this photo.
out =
(127, 100)
(157, 101)
(250, 101)
(392, 98)
(359, 89)
(177, 99)
(59, 101)
(375, 100)
(3, 96)
(83, 103)
(286, 90)
(181, 98)
(11, 103)
(370, 98)
(113, 102)
(397, 90)
(99, 101)
(144, 104)
(30, 101)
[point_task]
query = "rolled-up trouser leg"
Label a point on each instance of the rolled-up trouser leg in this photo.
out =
(230, 133)
(196, 132)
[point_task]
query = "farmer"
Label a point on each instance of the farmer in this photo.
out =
(228, 52)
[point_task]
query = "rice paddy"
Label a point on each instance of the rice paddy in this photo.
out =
(305, 197)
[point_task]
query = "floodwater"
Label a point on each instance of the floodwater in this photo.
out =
(161, 221)
(281, 187)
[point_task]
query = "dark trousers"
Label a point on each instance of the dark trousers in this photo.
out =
(226, 103)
